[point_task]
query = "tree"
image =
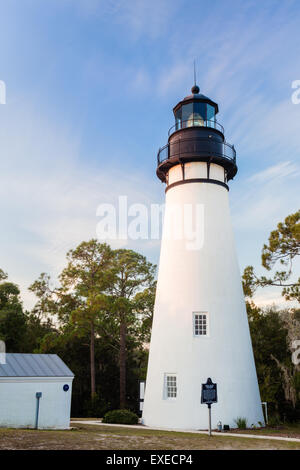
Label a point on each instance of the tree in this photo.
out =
(37, 329)
(290, 372)
(269, 341)
(86, 276)
(144, 307)
(283, 246)
(12, 317)
(21, 331)
(133, 275)
(3, 275)
(104, 301)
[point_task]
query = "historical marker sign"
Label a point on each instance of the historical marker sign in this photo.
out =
(209, 392)
(208, 397)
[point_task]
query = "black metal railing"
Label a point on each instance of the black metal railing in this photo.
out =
(196, 123)
(198, 147)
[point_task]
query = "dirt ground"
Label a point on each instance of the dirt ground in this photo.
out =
(89, 437)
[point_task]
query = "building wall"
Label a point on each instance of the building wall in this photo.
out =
(202, 280)
(196, 170)
(18, 402)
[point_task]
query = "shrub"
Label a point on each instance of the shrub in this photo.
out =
(274, 420)
(241, 422)
(96, 407)
(120, 417)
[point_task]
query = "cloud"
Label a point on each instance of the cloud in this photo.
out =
(281, 170)
(171, 77)
(49, 196)
(271, 297)
(141, 80)
(138, 17)
(262, 200)
(50, 185)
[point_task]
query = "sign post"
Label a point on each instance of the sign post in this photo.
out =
(209, 419)
(209, 396)
(142, 384)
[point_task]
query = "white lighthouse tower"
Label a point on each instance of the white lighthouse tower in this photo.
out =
(200, 327)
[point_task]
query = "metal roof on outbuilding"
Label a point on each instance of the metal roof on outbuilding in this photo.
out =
(34, 365)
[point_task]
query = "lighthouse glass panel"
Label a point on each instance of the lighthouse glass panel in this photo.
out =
(178, 119)
(200, 324)
(211, 116)
(199, 113)
(171, 386)
(187, 115)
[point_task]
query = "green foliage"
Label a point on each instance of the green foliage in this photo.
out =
(37, 329)
(278, 378)
(95, 407)
(274, 420)
(104, 309)
(241, 422)
(120, 417)
(273, 332)
(249, 281)
(60, 323)
(21, 331)
(3, 275)
(284, 242)
(144, 306)
(283, 246)
(128, 304)
(12, 317)
(269, 337)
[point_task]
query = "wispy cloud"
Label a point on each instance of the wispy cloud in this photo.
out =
(172, 76)
(262, 200)
(139, 17)
(91, 67)
(281, 170)
(50, 202)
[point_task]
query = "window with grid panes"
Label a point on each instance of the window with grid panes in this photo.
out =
(171, 386)
(200, 324)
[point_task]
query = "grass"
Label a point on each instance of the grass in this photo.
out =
(282, 430)
(241, 422)
(93, 437)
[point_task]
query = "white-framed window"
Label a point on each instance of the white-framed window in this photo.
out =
(170, 386)
(200, 324)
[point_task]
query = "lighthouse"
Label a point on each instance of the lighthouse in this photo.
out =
(200, 326)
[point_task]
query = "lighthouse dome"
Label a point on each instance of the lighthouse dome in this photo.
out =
(196, 136)
(195, 109)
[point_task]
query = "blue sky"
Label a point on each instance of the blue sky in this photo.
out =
(90, 89)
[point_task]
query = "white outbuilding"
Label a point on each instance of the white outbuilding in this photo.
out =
(35, 391)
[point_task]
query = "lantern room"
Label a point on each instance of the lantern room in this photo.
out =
(195, 110)
(196, 136)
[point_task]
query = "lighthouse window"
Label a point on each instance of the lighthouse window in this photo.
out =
(187, 115)
(171, 386)
(200, 324)
(178, 119)
(210, 114)
(199, 113)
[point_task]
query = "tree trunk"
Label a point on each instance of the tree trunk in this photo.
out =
(92, 360)
(290, 392)
(123, 332)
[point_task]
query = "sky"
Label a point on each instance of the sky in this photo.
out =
(90, 87)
